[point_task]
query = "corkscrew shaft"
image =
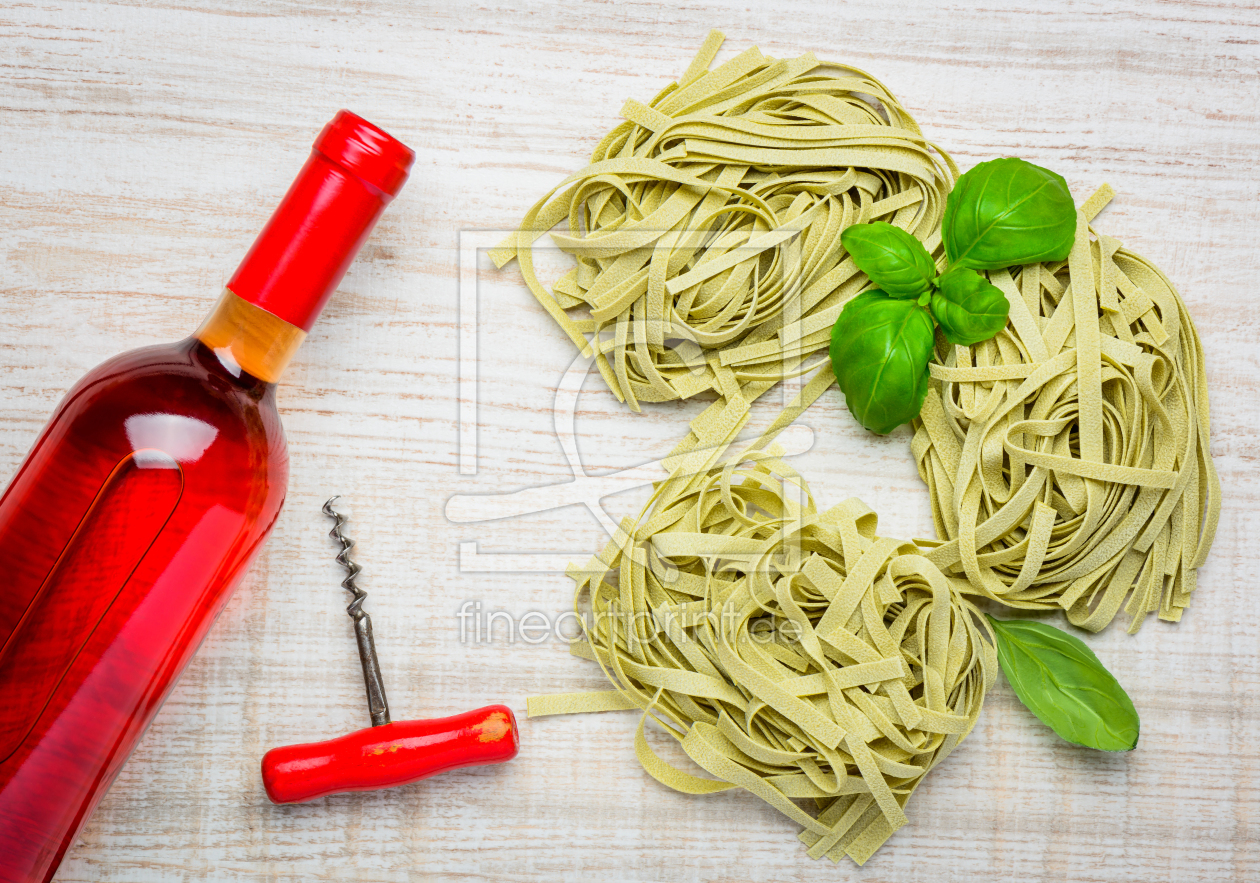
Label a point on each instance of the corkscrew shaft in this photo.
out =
(378, 705)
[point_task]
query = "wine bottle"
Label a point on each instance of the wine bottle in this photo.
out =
(144, 499)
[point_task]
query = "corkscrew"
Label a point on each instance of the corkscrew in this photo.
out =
(388, 753)
(378, 704)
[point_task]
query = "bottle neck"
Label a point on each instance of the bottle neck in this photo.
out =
(298, 259)
(246, 338)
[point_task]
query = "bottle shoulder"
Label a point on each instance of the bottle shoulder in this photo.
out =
(175, 397)
(181, 363)
(172, 375)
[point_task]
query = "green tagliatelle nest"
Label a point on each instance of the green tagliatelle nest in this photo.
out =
(706, 229)
(1067, 458)
(792, 653)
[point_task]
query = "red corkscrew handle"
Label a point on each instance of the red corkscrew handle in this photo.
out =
(392, 754)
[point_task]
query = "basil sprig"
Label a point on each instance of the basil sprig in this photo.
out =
(1000, 213)
(1061, 681)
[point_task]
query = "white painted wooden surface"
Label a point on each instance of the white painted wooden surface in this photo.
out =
(142, 145)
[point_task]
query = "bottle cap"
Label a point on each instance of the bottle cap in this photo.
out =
(298, 259)
(367, 152)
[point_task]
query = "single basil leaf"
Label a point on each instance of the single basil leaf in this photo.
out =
(969, 307)
(1063, 683)
(894, 260)
(880, 349)
(1005, 212)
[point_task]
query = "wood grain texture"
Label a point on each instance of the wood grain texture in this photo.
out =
(143, 146)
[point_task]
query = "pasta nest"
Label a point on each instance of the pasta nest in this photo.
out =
(706, 228)
(1067, 459)
(793, 653)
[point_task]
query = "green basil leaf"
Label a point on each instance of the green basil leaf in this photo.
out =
(880, 349)
(894, 260)
(1005, 212)
(1063, 683)
(969, 307)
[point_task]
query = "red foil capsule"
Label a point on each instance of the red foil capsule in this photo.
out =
(392, 754)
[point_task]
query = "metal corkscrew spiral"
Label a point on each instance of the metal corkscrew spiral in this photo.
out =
(343, 558)
(378, 705)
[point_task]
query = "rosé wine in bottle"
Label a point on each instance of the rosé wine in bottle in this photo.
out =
(145, 498)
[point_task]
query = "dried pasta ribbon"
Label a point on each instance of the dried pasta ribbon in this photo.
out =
(1067, 458)
(792, 653)
(706, 229)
